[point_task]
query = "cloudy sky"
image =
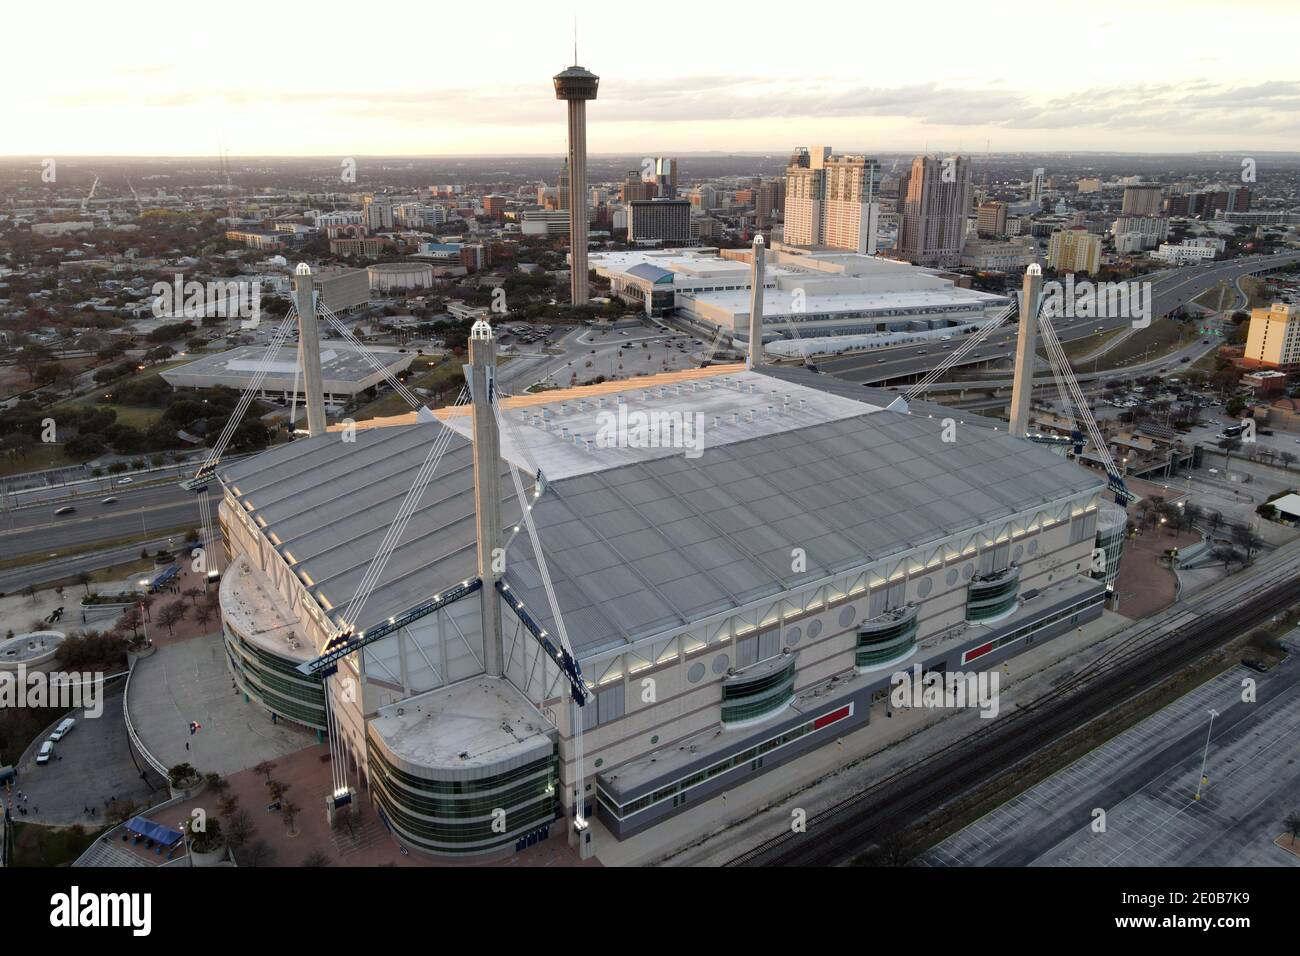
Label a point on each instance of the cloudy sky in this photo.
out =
(345, 78)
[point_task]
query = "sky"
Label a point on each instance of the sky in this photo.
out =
(335, 78)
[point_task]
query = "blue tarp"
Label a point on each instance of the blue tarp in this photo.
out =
(154, 831)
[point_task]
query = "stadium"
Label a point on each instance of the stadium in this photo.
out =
(718, 613)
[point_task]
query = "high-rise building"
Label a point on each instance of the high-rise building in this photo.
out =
(1036, 184)
(666, 221)
(1142, 200)
(494, 206)
(665, 171)
(832, 200)
(934, 197)
(769, 201)
(991, 220)
(1274, 338)
(635, 187)
(576, 85)
(1074, 250)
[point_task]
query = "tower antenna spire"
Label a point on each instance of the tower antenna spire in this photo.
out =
(575, 39)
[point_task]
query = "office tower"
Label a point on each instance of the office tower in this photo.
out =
(1142, 200)
(933, 199)
(991, 220)
(666, 221)
(832, 200)
(769, 200)
(636, 188)
(1036, 185)
(494, 207)
(665, 171)
(1074, 250)
(576, 85)
(1238, 199)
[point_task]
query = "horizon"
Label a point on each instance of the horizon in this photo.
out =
(1026, 83)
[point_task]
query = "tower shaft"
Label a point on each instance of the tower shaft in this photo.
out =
(757, 274)
(1022, 389)
(578, 200)
(309, 337)
(487, 490)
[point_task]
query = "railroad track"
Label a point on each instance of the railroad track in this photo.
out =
(850, 826)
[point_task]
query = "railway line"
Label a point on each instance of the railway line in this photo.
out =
(1150, 653)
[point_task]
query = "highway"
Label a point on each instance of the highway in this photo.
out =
(38, 531)
(1169, 291)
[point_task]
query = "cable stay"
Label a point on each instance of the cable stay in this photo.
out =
(564, 656)
(1062, 370)
(375, 362)
(405, 511)
(199, 480)
(974, 341)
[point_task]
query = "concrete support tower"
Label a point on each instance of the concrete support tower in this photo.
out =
(309, 337)
(1022, 389)
(577, 85)
(481, 375)
(757, 274)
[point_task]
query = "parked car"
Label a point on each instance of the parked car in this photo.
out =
(47, 748)
(63, 729)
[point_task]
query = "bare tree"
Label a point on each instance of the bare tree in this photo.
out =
(290, 811)
(172, 614)
(258, 853)
(265, 768)
(316, 859)
(84, 578)
(193, 594)
(238, 827)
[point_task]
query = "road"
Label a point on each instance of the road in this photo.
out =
(38, 531)
(1170, 290)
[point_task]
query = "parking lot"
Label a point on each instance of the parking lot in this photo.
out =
(1145, 781)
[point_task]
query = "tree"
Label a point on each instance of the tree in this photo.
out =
(265, 768)
(131, 618)
(239, 828)
(316, 859)
(172, 614)
(258, 853)
(204, 610)
(290, 811)
(1229, 445)
(1292, 824)
(193, 594)
(84, 578)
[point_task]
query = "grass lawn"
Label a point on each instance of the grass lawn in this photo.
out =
(38, 845)
(40, 458)
(1089, 344)
(1160, 337)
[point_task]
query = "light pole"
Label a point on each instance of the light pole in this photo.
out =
(1206, 753)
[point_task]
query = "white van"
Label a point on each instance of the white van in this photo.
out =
(47, 748)
(63, 729)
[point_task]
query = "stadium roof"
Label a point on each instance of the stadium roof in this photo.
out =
(660, 541)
